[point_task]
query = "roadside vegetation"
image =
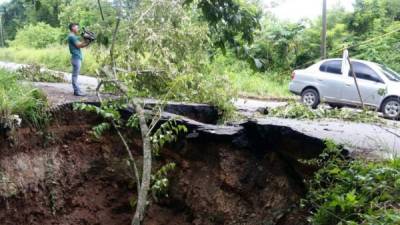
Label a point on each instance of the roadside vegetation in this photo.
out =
(297, 110)
(353, 192)
(20, 103)
(240, 74)
(249, 82)
(36, 74)
(55, 57)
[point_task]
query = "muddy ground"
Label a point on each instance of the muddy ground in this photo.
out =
(65, 176)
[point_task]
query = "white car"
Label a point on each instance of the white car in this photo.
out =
(324, 82)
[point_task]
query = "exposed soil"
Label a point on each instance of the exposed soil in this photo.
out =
(65, 176)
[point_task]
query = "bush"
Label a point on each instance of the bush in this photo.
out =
(40, 35)
(354, 192)
(215, 90)
(18, 100)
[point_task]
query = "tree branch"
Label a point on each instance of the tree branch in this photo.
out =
(132, 162)
(112, 47)
(101, 10)
(144, 129)
(147, 155)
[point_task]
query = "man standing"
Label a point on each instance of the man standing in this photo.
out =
(76, 56)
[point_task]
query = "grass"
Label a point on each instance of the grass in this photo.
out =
(259, 85)
(56, 57)
(20, 100)
(249, 82)
(245, 80)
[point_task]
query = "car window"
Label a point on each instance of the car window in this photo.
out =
(364, 72)
(389, 73)
(332, 66)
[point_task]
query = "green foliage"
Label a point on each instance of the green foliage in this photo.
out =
(160, 182)
(167, 133)
(354, 192)
(19, 13)
(133, 121)
(383, 50)
(233, 25)
(297, 110)
(43, 11)
(214, 89)
(167, 56)
(13, 18)
(230, 21)
(245, 80)
(277, 45)
(282, 45)
(40, 35)
(99, 129)
(107, 111)
(19, 100)
(86, 13)
(55, 57)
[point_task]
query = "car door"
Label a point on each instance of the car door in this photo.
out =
(369, 82)
(330, 80)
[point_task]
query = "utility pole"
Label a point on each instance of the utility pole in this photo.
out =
(1, 31)
(323, 34)
(2, 38)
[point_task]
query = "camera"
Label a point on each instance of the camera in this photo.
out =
(88, 35)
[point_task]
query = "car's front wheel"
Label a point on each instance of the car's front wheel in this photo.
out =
(391, 108)
(310, 98)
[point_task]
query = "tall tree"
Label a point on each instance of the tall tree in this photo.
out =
(231, 22)
(14, 17)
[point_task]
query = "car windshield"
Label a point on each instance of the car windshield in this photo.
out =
(389, 73)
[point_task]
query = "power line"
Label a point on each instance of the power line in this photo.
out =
(366, 41)
(352, 46)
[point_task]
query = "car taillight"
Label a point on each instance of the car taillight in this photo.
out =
(293, 74)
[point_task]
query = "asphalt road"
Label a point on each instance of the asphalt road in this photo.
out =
(375, 140)
(366, 140)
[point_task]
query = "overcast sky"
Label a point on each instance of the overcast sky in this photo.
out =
(295, 10)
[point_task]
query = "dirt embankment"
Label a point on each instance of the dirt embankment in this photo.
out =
(66, 177)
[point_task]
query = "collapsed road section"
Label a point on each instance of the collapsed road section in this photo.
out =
(242, 174)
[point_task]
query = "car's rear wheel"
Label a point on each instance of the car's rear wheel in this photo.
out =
(310, 98)
(391, 108)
